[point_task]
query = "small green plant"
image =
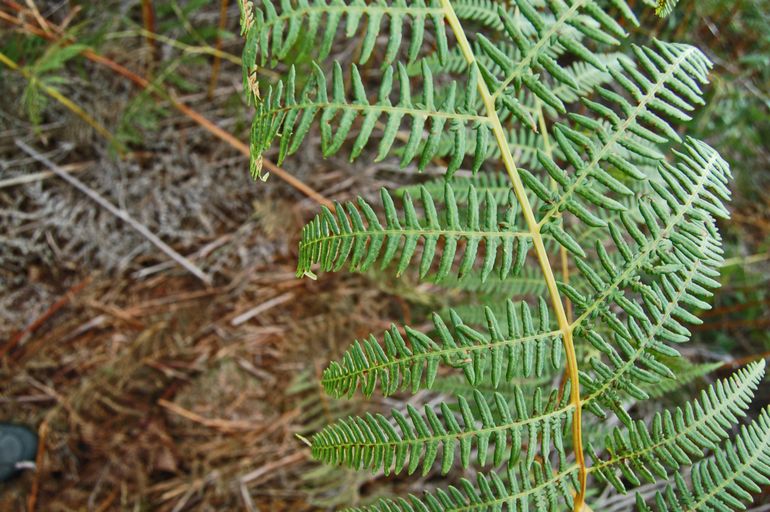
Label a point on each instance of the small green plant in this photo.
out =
(607, 240)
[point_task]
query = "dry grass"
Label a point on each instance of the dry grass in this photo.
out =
(156, 393)
(149, 390)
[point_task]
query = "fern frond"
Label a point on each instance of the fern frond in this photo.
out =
(312, 25)
(583, 15)
(623, 201)
(525, 346)
(633, 356)
(409, 441)
(642, 452)
(538, 486)
(334, 241)
(725, 481)
(675, 221)
(288, 114)
(670, 89)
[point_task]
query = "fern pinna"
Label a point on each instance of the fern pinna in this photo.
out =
(571, 204)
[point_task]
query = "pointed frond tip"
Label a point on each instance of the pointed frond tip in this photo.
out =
(725, 481)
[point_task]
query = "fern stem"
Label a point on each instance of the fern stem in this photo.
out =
(542, 255)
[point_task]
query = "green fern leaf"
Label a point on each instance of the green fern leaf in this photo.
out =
(522, 346)
(727, 480)
(334, 241)
(415, 439)
(673, 438)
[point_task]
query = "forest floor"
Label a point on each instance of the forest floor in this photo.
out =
(151, 388)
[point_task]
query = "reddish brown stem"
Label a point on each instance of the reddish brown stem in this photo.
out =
(148, 18)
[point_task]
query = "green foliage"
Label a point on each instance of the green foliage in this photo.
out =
(727, 480)
(674, 438)
(524, 346)
(333, 241)
(665, 7)
(46, 71)
(608, 239)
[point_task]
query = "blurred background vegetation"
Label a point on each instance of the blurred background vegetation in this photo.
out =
(156, 386)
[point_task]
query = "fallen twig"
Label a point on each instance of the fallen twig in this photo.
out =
(37, 176)
(121, 214)
(272, 466)
(261, 308)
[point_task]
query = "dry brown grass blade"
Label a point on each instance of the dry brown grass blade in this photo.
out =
(143, 83)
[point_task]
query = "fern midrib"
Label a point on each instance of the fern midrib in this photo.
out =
(438, 438)
(427, 233)
(634, 265)
(408, 361)
(392, 110)
(713, 413)
(641, 107)
(535, 49)
(542, 255)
